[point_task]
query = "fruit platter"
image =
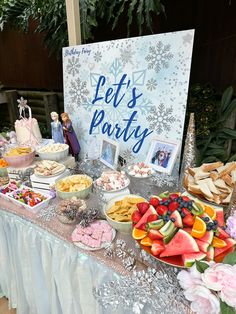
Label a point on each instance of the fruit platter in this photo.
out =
(177, 230)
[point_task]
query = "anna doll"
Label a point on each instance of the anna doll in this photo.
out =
(69, 135)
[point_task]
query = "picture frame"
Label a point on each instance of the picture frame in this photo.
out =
(109, 152)
(162, 154)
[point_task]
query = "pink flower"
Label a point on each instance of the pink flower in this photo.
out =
(217, 276)
(189, 279)
(228, 291)
(203, 301)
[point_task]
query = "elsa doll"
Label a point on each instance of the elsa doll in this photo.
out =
(56, 128)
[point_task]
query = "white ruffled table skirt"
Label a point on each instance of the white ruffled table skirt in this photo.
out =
(41, 274)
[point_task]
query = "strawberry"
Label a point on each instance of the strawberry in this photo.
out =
(185, 198)
(157, 248)
(143, 226)
(143, 207)
(154, 201)
(155, 234)
(152, 217)
(173, 196)
(186, 211)
(188, 220)
(164, 199)
(161, 209)
(173, 206)
(136, 216)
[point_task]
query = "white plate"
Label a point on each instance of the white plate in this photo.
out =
(112, 191)
(89, 248)
(140, 177)
(51, 175)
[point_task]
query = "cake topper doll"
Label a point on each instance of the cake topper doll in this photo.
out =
(56, 128)
(70, 136)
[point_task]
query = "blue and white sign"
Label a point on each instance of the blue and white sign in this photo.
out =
(130, 90)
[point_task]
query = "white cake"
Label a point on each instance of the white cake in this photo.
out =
(27, 129)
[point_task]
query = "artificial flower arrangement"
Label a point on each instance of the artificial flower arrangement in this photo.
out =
(210, 286)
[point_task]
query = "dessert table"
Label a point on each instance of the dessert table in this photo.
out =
(43, 272)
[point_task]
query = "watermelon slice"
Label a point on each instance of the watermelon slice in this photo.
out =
(208, 237)
(182, 243)
(220, 216)
(219, 258)
(189, 230)
(222, 234)
(178, 220)
(189, 259)
(210, 253)
(230, 243)
(151, 210)
(203, 246)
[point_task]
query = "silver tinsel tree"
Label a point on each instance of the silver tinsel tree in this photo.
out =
(189, 153)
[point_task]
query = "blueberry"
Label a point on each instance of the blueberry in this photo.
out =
(167, 218)
(215, 222)
(160, 203)
(172, 219)
(206, 219)
(179, 210)
(182, 215)
(210, 224)
(214, 227)
(169, 212)
(208, 228)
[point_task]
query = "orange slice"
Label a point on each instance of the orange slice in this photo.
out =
(199, 228)
(218, 243)
(138, 234)
(146, 241)
(210, 211)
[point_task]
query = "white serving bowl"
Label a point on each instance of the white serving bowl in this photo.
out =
(79, 194)
(56, 156)
(123, 227)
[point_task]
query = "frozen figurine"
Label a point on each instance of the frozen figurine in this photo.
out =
(70, 136)
(56, 128)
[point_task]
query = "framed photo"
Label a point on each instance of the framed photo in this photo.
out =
(109, 152)
(162, 155)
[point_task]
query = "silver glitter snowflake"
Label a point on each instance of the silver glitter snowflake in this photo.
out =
(150, 291)
(128, 156)
(78, 91)
(161, 118)
(47, 213)
(151, 84)
(126, 55)
(97, 56)
(163, 179)
(73, 66)
(159, 56)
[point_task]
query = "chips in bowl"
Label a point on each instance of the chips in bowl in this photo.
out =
(119, 210)
(76, 185)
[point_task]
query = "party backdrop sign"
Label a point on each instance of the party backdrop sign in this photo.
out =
(130, 90)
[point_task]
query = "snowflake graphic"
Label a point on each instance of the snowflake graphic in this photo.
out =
(160, 119)
(78, 91)
(73, 66)
(126, 55)
(158, 56)
(162, 179)
(97, 56)
(128, 156)
(151, 84)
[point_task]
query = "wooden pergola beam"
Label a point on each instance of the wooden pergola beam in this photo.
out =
(73, 22)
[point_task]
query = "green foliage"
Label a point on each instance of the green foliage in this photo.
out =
(201, 266)
(230, 258)
(226, 309)
(51, 17)
(211, 116)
